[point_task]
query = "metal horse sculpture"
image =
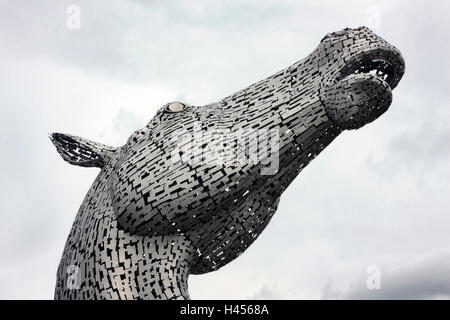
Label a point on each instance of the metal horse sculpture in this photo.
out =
(151, 218)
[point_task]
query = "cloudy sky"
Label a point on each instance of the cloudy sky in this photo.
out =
(378, 196)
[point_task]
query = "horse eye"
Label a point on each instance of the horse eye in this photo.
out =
(175, 107)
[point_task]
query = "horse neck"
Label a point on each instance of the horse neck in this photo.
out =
(102, 261)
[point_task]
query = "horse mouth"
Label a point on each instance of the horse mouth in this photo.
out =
(383, 65)
(379, 68)
(362, 89)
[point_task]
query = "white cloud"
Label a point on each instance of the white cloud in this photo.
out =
(265, 293)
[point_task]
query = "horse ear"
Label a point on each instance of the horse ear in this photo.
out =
(82, 152)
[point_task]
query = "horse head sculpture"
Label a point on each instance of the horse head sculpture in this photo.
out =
(194, 188)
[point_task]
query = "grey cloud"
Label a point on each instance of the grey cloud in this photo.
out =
(425, 279)
(141, 40)
(418, 151)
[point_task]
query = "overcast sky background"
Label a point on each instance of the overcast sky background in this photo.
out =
(376, 196)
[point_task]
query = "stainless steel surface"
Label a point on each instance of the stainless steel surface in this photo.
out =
(152, 217)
